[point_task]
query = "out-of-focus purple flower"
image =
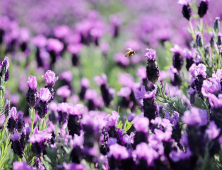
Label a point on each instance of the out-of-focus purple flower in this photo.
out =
(74, 110)
(126, 79)
(104, 47)
(21, 166)
(134, 44)
(44, 94)
(198, 70)
(85, 82)
(176, 49)
(112, 120)
(15, 136)
(111, 141)
(24, 35)
(143, 94)
(214, 101)
(218, 74)
(77, 140)
(131, 116)
(54, 45)
(100, 80)
(141, 124)
(184, 140)
(124, 92)
(91, 94)
(32, 82)
(191, 91)
(212, 130)
(150, 54)
(15, 98)
(63, 91)
(118, 151)
(180, 155)
(73, 166)
(13, 112)
(50, 77)
(129, 139)
(141, 72)
(121, 59)
(212, 86)
(183, 2)
(74, 48)
(66, 75)
(143, 151)
(39, 41)
(195, 116)
(53, 106)
(61, 31)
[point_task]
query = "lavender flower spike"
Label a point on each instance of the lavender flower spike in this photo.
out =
(44, 94)
(150, 54)
(32, 82)
(50, 77)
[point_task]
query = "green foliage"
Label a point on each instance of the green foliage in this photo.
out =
(127, 125)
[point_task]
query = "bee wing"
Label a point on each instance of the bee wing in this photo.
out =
(129, 49)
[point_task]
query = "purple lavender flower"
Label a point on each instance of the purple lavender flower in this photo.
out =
(107, 93)
(212, 86)
(39, 41)
(186, 11)
(21, 166)
(74, 49)
(150, 54)
(50, 77)
(195, 117)
(85, 83)
(121, 60)
(72, 166)
(66, 75)
(141, 124)
(212, 131)
(44, 95)
(31, 94)
(16, 144)
(12, 120)
(91, 96)
(64, 92)
(177, 58)
(50, 80)
(118, 151)
(202, 9)
(219, 39)
(62, 31)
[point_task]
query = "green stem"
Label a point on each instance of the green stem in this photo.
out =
(192, 31)
(201, 26)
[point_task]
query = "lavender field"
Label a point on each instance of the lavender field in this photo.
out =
(110, 85)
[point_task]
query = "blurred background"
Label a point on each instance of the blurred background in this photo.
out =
(87, 38)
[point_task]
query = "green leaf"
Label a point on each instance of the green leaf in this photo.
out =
(127, 125)
(120, 124)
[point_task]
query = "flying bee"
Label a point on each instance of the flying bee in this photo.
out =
(130, 53)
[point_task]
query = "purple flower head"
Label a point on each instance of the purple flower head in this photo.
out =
(63, 107)
(218, 74)
(111, 141)
(214, 101)
(77, 140)
(195, 116)
(15, 136)
(131, 116)
(40, 136)
(27, 129)
(184, 140)
(118, 151)
(115, 20)
(183, 2)
(143, 94)
(124, 92)
(191, 91)
(20, 115)
(50, 77)
(173, 70)
(176, 49)
(6, 62)
(143, 151)
(133, 44)
(66, 75)
(62, 31)
(150, 54)
(212, 130)
(53, 106)
(100, 80)
(85, 82)
(32, 82)
(39, 41)
(212, 86)
(54, 45)
(180, 155)
(21, 166)
(44, 94)
(73, 166)
(141, 124)
(111, 120)
(187, 54)
(121, 59)
(141, 72)
(74, 48)
(91, 94)
(198, 70)
(63, 91)
(24, 35)
(75, 110)
(13, 112)
(129, 139)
